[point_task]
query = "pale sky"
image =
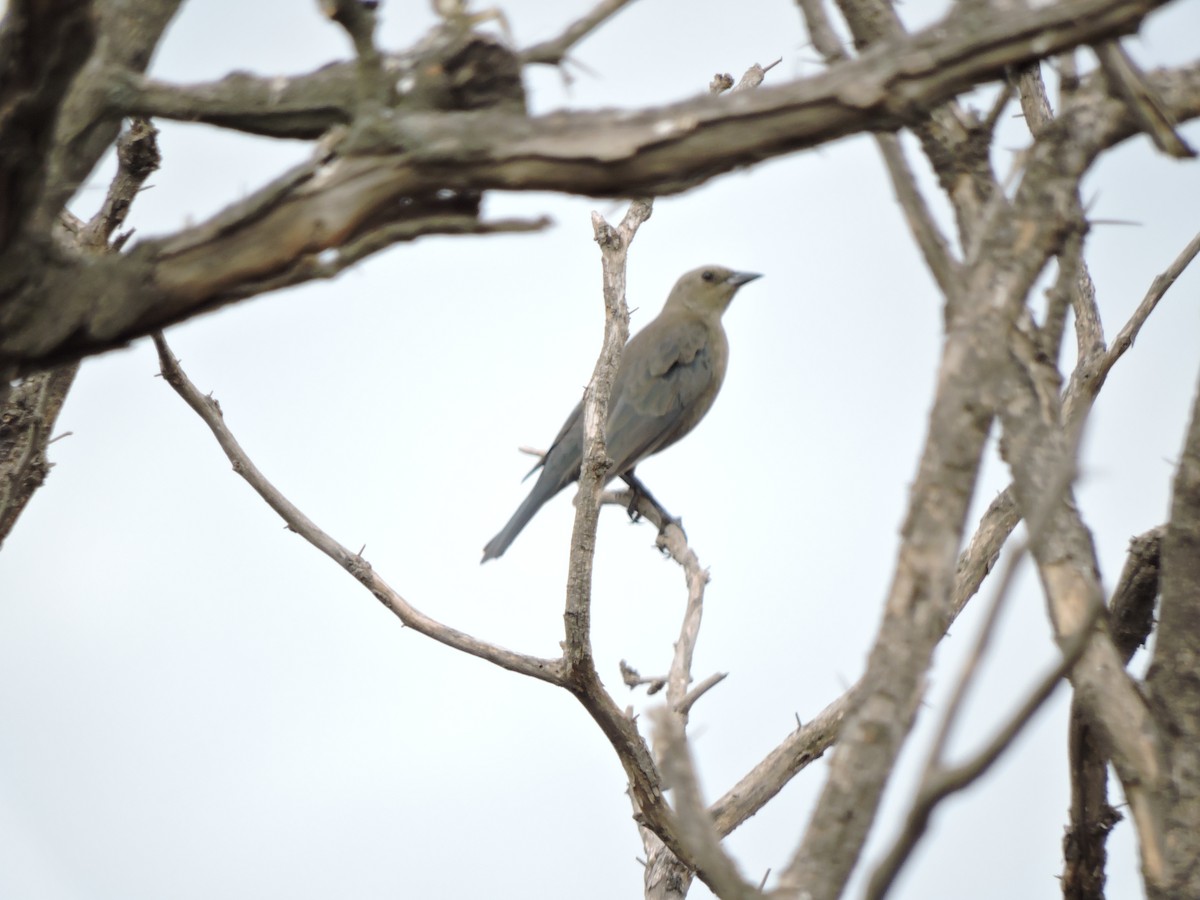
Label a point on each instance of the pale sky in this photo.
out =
(197, 704)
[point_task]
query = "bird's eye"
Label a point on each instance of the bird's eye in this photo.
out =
(709, 275)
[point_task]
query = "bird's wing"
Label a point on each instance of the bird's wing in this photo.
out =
(668, 380)
(566, 444)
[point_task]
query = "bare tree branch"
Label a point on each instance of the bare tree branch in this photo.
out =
(137, 159)
(42, 47)
(26, 424)
(127, 34)
(803, 746)
(998, 278)
(1128, 83)
(1130, 618)
(457, 71)
(933, 244)
(694, 825)
(28, 414)
(336, 199)
(549, 670)
(614, 245)
(1128, 334)
(939, 780)
(1173, 681)
(358, 20)
(1035, 444)
(554, 51)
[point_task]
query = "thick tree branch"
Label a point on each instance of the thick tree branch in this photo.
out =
(1019, 238)
(64, 311)
(1130, 619)
(940, 781)
(1174, 677)
(27, 417)
(468, 71)
(1129, 83)
(26, 425)
(1036, 446)
(42, 47)
(128, 33)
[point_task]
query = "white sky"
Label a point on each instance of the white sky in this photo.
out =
(198, 704)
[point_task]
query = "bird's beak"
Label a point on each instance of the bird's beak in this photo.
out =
(737, 279)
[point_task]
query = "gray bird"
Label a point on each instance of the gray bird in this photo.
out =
(669, 376)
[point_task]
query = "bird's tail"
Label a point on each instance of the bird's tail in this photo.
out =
(546, 487)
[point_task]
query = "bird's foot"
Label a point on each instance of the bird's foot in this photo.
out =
(638, 493)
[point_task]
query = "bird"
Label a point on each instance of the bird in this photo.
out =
(668, 377)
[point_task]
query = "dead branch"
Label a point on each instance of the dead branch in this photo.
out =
(426, 165)
(548, 670)
(1130, 619)
(554, 51)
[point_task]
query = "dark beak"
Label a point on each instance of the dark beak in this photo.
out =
(737, 279)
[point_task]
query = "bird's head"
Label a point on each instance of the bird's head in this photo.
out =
(708, 289)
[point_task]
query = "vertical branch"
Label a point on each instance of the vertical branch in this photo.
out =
(1130, 618)
(26, 424)
(28, 413)
(934, 247)
(694, 825)
(358, 20)
(614, 249)
(1174, 681)
(1036, 444)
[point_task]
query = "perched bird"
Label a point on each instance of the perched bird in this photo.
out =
(669, 376)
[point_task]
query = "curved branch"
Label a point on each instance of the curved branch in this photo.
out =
(548, 670)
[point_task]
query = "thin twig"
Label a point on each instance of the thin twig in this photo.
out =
(992, 119)
(549, 670)
(1158, 288)
(937, 780)
(1130, 620)
(685, 705)
(694, 823)
(934, 247)
(358, 19)
(1127, 82)
(553, 51)
(941, 782)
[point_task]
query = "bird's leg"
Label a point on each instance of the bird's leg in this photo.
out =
(640, 491)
